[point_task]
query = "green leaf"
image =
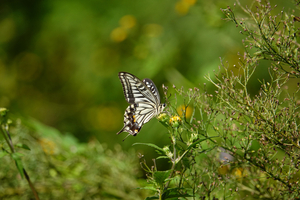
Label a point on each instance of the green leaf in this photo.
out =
(3, 153)
(23, 146)
(186, 162)
(16, 154)
(17, 158)
(150, 145)
(147, 188)
(161, 176)
(181, 145)
(174, 193)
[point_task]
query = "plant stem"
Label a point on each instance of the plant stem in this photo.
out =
(31, 185)
(7, 138)
(174, 157)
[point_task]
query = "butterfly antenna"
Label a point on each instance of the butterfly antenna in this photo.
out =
(126, 137)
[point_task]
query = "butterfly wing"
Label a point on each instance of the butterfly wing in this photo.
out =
(135, 91)
(152, 87)
(144, 99)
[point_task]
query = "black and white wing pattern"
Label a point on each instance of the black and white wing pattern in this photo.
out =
(144, 99)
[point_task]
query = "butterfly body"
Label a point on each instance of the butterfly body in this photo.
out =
(144, 99)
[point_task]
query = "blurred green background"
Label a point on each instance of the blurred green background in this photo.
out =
(59, 60)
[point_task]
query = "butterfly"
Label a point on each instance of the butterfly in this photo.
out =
(144, 99)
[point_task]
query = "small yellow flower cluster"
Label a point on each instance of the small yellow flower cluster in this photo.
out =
(175, 121)
(224, 169)
(182, 7)
(120, 33)
(163, 117)
(239, 173)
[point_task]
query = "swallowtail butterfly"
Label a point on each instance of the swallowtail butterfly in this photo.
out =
(144, 99)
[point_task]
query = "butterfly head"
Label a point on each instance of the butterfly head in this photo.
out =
(162, 107)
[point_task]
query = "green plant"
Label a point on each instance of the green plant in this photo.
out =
(62, 168)
(233, 144)
(16, 156)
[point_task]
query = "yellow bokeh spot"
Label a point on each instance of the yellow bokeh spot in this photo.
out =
(127, 21)
(190, 2)
(118, 34)
(48, 146)
(153, 30)
(188, 111)
(182, 8)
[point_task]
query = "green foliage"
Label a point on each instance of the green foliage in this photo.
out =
(274, 37)
(233, 144)
(59, 60)
(61, 168)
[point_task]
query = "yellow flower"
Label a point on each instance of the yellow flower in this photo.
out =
(163, 117)
(239, 173)
(175, 121)
(223, 169)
